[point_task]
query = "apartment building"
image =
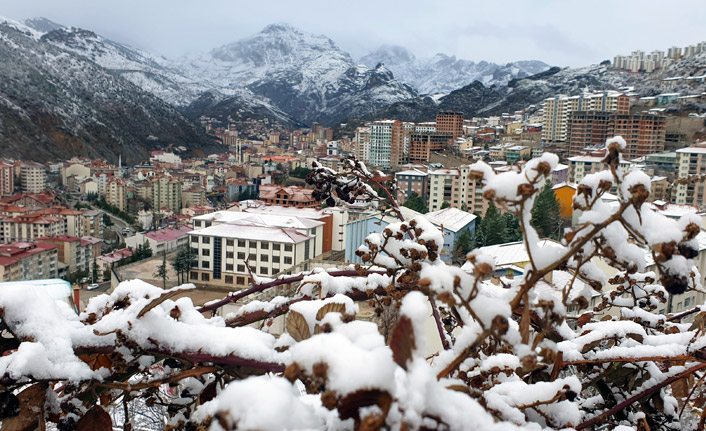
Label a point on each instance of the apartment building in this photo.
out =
(75, 252)
(29, 227)
(381, 143)
(690, 187)
(362, 143)
(558, 109)
(21, 261)
(161, 241)
(7, 179)
(580, 166)
(422, 144)
(587, 129)
(165, 192)
(450, 123)
(643, 133)
(193, 196)
(228, 253)
(457, 188)
(411, 181)
(115, 193)
(33, 177)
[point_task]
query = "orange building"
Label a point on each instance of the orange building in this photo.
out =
(565, 197)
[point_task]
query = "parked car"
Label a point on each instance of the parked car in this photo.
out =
(93, 286)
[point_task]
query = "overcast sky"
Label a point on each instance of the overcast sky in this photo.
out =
(564, 33)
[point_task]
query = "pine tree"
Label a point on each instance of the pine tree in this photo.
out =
(416, 203)
(546, 215)
(494, 226)
(445, 205)
(463, 245)
(162, 271)
(512, 228)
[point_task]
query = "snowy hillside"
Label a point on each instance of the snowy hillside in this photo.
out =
(443, 74)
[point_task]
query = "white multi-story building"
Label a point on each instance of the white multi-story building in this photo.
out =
(380, 143)
(691, 165)
(557, 111)
(226, 251)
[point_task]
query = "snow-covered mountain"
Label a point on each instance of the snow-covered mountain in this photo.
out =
(54, 103)
(443, 74)
(305, 75)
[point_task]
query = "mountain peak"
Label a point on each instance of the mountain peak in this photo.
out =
(42, 24)
(280, 27)
(388, 54)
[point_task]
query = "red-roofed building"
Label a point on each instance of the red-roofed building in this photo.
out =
(288, 196)
(31, 200)
(29, 227)
(75, 252)
(108, 260)
(163, 240)
(28, 261)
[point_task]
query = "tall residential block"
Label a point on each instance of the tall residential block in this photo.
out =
(690, 187)
(450, 123)
(557, 111)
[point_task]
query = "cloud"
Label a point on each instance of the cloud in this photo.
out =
(557, 32)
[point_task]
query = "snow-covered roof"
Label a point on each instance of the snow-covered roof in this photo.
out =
(451, 218)
(265, 219)
(253, 232)
(510, 253)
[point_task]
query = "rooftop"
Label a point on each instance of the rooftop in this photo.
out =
(245, 230)
(451, 218)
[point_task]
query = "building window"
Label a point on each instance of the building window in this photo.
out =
(229, 255)
(241, 255)
(264, 245)
(252, 257)
(205, 277)
(287, 260)
(288, 247)
(229, 279)
(241, 280)
(229, 242)
(275, 259)
(241, 268)
(263, 270)
(194, 275)
(241, 243)
(205, 264)
(229, 266)
(205, 252)
(206, 239)
(264, 258)
(275, 246)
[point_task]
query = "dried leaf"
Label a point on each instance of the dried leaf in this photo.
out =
(680, 390)
(97, 361)
(402, 342)
(208, 393)
(583, 319)
(31, 406)
(698, 322)
(331, 307)
(524, 325)
(590, 346)
(350, 405)
(95, 419)
(637, 337)
(297, 326)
